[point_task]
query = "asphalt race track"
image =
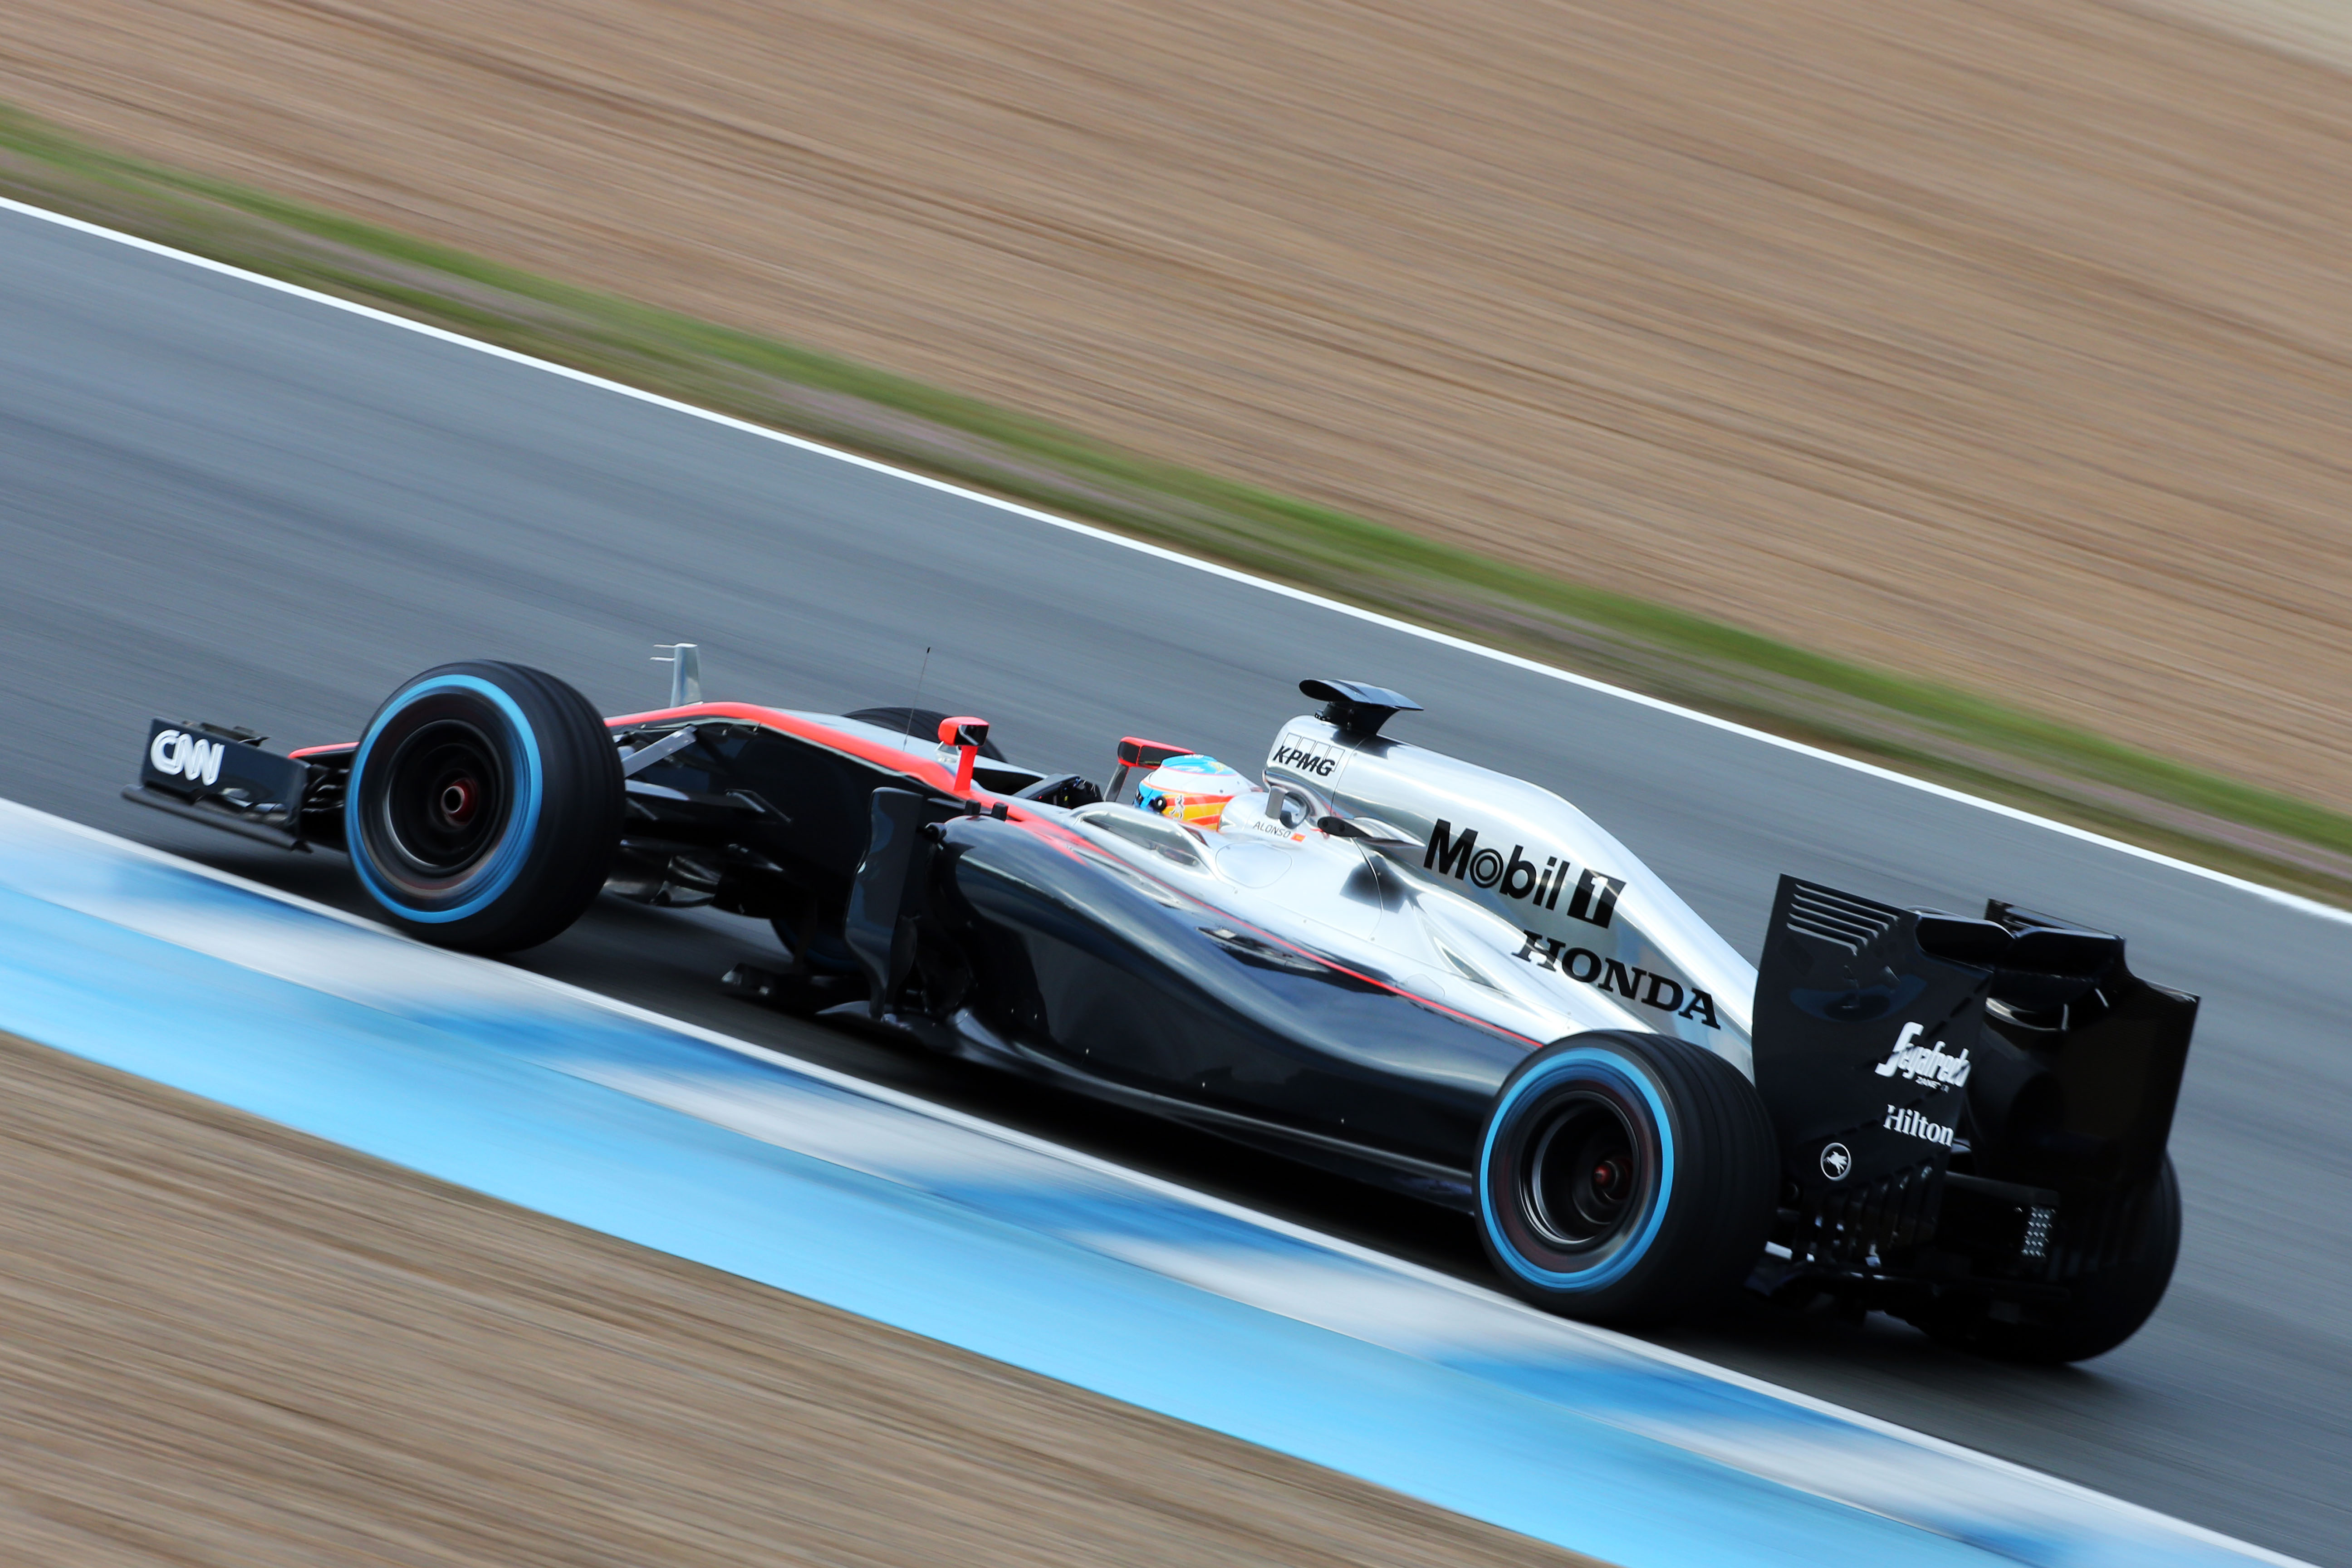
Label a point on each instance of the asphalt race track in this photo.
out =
(220, 501)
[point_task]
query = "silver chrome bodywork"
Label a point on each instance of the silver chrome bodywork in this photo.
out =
(1483, 893)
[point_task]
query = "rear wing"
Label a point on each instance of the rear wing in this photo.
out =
(1903, 1054)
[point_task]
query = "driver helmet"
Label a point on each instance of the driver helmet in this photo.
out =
(1191, 789)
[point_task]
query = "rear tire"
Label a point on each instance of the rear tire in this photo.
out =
(2132, 1242)
(1625, 1177)
(484, 807)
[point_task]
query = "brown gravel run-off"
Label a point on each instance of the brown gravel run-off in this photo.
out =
(2008, 342)
(222, 1343)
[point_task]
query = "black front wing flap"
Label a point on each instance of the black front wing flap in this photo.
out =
(222, 778)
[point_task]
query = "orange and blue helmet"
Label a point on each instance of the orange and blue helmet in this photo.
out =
(1191, 789)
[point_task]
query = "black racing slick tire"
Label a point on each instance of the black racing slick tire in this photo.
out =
(484, 807)
(1625, 1177)
(2116, 1261)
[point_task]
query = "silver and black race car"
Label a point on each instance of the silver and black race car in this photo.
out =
(1386, 963)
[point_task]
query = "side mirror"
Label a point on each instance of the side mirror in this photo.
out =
(967, 735)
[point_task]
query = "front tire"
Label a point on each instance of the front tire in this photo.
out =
(1625, 1177)
(484, 807)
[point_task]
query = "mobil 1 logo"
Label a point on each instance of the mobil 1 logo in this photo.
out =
(1456, 853)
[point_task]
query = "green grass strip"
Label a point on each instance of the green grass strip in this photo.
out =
(1917, 726)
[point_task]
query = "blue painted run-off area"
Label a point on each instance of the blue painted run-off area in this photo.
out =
(677, 1140)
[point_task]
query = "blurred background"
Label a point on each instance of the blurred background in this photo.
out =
(1954, 382)
(1998, 345)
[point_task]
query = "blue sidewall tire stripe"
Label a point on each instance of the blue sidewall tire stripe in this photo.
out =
(1607, 1065)
(522, 832)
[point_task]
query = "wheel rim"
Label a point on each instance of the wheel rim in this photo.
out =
(1583, 1176)
(443, 808)
(1575, 1169)
(443, 799)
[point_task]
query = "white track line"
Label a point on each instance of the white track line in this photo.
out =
(2294, 902)
(1486, 1296)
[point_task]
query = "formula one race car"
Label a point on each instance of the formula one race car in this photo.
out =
(1371, 958)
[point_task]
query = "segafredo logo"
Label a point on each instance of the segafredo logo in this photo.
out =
(192, 757)
(1582, 964)
(1516, 876)
(1924, 1063)
(1316, 760)
(1903, 1120)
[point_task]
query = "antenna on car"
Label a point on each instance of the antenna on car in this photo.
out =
(685, 661)
(918, 707)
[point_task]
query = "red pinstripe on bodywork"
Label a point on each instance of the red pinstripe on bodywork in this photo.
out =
(912, 765)
(1078, 848)
(933, 776)
(1064, 840)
